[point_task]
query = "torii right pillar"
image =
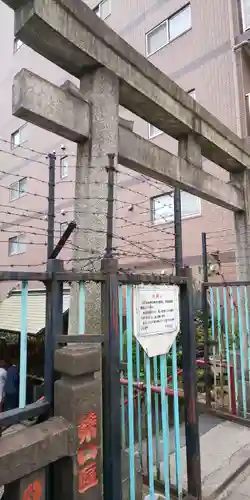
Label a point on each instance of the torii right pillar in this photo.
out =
(242, 315)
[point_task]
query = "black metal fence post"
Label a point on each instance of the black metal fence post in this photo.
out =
(51, 203)
(178, 231)
(112, 467)
(205, 318)
(190, 389)
(54, 325)
(112, 476)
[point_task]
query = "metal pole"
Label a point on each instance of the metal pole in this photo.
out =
(190, 390)
(178, 231)
(205, 318)
(110, 211)
(51, 204)
(54, 325)
(112, 467)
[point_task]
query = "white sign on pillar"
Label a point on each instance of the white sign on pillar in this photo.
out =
(156, 317)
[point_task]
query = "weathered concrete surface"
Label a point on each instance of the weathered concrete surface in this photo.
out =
(239, 489)
(225, 449)
(242, 229)
(101, 89)
(63, 110)
(27, 486)
(68, 33)
(40, 102)
(206, 423)
(35, 447)
(145, 157)
(78, 360)
(78, 397)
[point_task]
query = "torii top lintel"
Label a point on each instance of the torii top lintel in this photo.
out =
(68, 33)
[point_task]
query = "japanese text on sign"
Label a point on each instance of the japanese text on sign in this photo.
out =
(158, 311)
(156, 318)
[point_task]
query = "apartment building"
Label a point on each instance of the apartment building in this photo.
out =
(203, 45)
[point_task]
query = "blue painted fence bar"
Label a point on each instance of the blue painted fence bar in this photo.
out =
(230, 357)
(150, 409)
(130, 390)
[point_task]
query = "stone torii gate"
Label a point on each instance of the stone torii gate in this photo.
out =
(112, 73)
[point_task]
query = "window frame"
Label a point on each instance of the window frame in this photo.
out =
(148, 54)
(97, 9)
(166, 22)
(175, 14)
(17, 131)
(16, 43)
(63, 166)
(17, 237)
(243, 17)
(169, 220)
(152, 136)
(20, 193)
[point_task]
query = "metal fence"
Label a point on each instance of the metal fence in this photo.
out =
(229, 359)
(40, 403)
(18, 353)
(226, 343)
(158, 405)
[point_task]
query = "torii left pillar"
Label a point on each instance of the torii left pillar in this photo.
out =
(101, 90)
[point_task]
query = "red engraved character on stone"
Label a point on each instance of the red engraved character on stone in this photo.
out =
(87, 428)
(33, 491)
(89, 453)
(87, 478)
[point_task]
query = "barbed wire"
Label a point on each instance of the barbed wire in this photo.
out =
(32, 150)
(87, 198)
(136, 244)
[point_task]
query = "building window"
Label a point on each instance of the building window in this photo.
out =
(245, 14)
(16, 138)
(103, 9)
(17, 44)
(179, 22)
(17, 244)
(168, 30)
(63, 227)
(154, 131)
(18, 189)
(64, 167)
(162, 207)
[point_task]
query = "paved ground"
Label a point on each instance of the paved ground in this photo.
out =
(225, 450)
(239, 489)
